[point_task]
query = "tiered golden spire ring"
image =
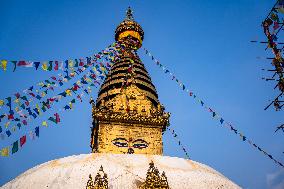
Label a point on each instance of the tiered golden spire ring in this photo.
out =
(128, 28)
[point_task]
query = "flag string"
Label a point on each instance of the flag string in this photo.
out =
(96, 76)
(5, 151)
(213, 113)
(179, 142)
(51, 65)
(271, 27)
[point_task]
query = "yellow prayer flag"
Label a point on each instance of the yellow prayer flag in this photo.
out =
(43, 94)
(88, 80)
(44, 123)
(7, 124)
(14, 128)
(89, 89)
(37, 106)
(17, 100)
(1, 102)
(4, 64)
(5, 152)
(70, 63)
(68, 92)
(40, 84)
(44, 66)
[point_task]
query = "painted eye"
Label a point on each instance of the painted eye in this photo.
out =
(120, 142)
(139, 143)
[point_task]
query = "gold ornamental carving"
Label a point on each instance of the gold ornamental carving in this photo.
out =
(154, 180)
(100, 182)
(131, 106)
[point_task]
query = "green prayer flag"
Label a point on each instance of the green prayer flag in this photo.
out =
(52, 119)
(15, 147)
(50, 66)
(76, 63)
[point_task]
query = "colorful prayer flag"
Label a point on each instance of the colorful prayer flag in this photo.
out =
(15, 147)
(5, 152)
(37, 131)
(8, 133)
(44, 123)
(23, 140)
(4, 64)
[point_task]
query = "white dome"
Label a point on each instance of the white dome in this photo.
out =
(123, 170)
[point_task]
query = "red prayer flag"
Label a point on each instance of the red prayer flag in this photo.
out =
(17, 95)
(54, 78)
(11, 116)
(22, 63)
(56, 65)
(57, 118)
(23, 140)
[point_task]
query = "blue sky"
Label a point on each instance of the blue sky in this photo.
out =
(205, 43)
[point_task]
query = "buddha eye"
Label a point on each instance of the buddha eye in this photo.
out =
(120, 142)
(139, 143)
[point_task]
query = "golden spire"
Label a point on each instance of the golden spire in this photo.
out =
(127, 115)
(129, 14)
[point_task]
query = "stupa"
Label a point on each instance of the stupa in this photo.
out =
(126, 136)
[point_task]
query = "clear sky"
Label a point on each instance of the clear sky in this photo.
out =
(205, 43)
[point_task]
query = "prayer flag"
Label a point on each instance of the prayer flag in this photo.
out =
(68, 92)
(70, 63)
(52, 119)
(44, 66)
(15, 65)
(67, 107)
(25, 122)
(15, 147)
(8, 133)
(56, 65)
(5, 152)
(44, 123)
(76, 63)
(57, 118)
(280, 6)
(66, 64)
(4, 64)
(9, 102)
(7, 124)
(22, 63)
(2, 102)
(14, 128)
(32, 135)
(36, 65)
(50, 66)
(23, 140)
(37, 131)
